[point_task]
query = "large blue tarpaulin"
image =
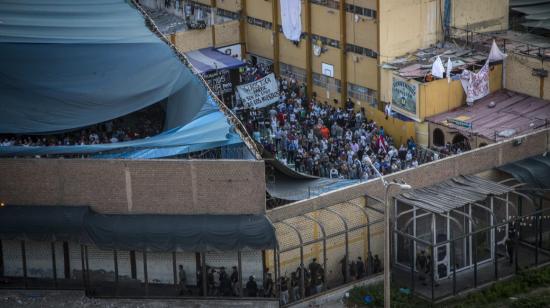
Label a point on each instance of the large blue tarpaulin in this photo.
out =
(67, 64)
(209, 59)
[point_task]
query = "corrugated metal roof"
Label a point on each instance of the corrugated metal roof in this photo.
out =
(512, 111)
(534, 171)
(515, 3)
(452, 194)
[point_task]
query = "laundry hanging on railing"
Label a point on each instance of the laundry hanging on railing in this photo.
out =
(291, 19)
(476, 85)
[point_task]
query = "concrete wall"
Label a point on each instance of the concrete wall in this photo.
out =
(192, 40)
(471, 162)
(439, 96)
(519, 76)
(480, 16)
(227, 33)
(148, 186)
(407, 25)
(362, 70)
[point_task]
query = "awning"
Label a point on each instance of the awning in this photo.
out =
(163, 233)
(42, 223)
(534, 171)
(209, 59)
(144, 232)
(452, 194)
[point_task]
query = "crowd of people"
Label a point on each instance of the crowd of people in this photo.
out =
(321, 138)
(141, 124)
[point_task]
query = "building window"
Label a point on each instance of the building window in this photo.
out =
(362, 94)
(438, 137)
(289, 71)
(361, 51)
(329, 83)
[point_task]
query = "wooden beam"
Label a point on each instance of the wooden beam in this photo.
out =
(242, 28)
(378, 66)
(275, 32)
(343, 61)
(213, 19)
(309, 66)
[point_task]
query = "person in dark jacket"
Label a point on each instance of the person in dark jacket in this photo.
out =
(251, 287)
(360, 268)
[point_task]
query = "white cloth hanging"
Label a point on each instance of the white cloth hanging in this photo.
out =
(437, 68)
(476, 85)
(449, 69)
(291, 19)
(495, 54)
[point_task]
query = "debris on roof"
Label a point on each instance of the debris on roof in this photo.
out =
(419, 64)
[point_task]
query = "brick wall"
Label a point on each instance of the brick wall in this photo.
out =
(471, 162)
(151, 186)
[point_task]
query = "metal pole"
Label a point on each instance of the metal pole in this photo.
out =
(433, 269)
(83, 267)
(453, 251)
(387, 237)
(203, 273)
(240, 269)
(24, 259)
(87, 266)
(302, 272)
(411, 248)
(474, 257)
(145, 275)
(115, 257)
(54, 265)
(496, 256)
(174, 268)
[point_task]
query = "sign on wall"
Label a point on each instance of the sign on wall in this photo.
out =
(404, 95)
(219, 81)
(232, 51)
(260, 93)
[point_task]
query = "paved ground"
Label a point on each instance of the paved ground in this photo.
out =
(49, 299)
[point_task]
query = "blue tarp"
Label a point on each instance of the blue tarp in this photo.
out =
(67, 64)
(209, 59)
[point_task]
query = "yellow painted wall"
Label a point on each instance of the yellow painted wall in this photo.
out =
(480, 15)
(422, 133)
(292, 54)
(439, 96)
(325, 21)
(399, 130)
(193, 40)
(331, 56)
(362, 72)
(406, 25)
(259, 41)
(362, 33)
(227, 33)
(519, 76)
(259, 9)
(229, 5)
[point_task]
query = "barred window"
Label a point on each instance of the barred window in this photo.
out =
(361, 51)
(362, 94)
(290, 71)
(329, 83)
(228, 14)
